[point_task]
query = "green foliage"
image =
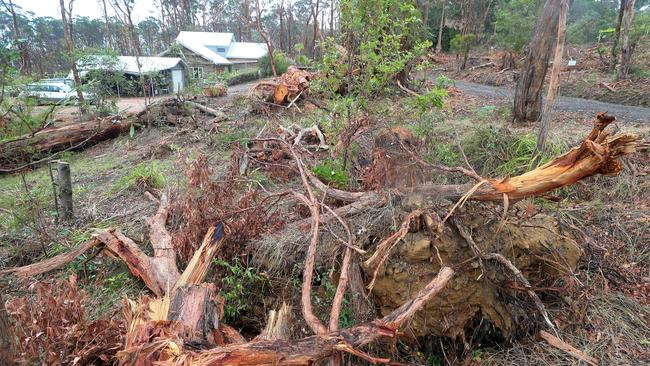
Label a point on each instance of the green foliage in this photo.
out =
(462, 43)
(384, 40)
(332, 173)
(434, 98)
(442, 81)
(515, 20)
(445, 154)
(496, 152)
(239, 76)
(239, 285)
(281, 63)
(103, 78)
(144, 175)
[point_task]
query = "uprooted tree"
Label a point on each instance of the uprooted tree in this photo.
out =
(181, 324)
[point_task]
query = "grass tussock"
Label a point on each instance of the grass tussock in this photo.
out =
(148, 175)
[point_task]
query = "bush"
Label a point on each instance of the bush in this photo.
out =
(332, 173)
(430, 100)
(281, 64)
(239, 76)
(494, 151)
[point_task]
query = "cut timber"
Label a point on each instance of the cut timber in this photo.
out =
(69, 136)
(205, 109)
(287, 89)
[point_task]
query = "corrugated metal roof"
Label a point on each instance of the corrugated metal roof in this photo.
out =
(147, 64)
(197, 42)
(128, 64)
(247, 50)
(206, 43)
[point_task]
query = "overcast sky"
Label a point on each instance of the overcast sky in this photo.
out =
(89, 8)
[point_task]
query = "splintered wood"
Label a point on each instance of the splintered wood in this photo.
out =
(287, 89)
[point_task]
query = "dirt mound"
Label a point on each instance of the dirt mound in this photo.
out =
(536, 246)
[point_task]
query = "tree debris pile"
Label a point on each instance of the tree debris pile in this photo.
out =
(480, 262)
(216, 90)
(286, 90)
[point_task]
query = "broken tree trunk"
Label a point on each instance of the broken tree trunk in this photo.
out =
(303, 351)
(290, 86)
(64, 185)
(19, 153)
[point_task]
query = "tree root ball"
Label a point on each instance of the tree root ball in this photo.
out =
(535, 246)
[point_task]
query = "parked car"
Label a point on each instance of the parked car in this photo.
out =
(54, 93)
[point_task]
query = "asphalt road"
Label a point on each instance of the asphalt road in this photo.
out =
(623, 113)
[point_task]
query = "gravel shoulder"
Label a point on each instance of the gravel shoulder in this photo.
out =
(623, 113)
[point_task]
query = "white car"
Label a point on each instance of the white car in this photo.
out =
(56, 93)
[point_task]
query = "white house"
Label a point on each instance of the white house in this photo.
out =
(171, 71)
(208, 52)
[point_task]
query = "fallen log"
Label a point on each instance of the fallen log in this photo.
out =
(26, 150)
(303, 351)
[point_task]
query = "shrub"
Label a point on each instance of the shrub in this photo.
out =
(281, 63)
(239, 76)
(430, 100)
(239, 286)
(495, 151)
(332, 173)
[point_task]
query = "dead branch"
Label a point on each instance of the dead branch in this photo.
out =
(53, 263)
(569, 349)
(218, 114)
(407, 90)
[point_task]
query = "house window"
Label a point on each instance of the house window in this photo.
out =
(221, 49)
(197, 73)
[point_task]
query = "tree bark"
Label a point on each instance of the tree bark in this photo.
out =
(332, 8)
(627, 48)
(64, 185)
(109, 37)
(442, 25)
(290, 30)
(66, 17)
(554, 83)
(70, 136)
(7, 356)
(617, 36)
(266, 38)
(314, 11)
(528, 94)
(425, 14)
(281, 16)
(308, 350)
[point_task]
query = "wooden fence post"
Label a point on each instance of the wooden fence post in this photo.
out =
(64, 183)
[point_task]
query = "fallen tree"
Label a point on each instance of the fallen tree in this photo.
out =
(185, 313)
(18, 153)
